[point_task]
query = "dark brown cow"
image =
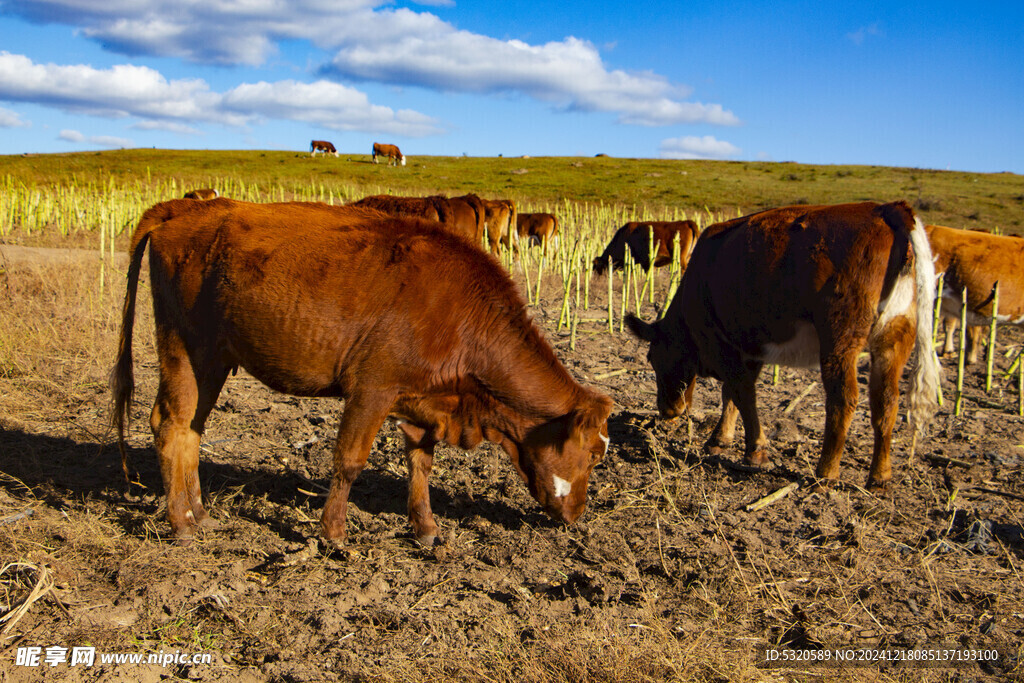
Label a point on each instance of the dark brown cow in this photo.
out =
(394, 315)
(977, 260)
(500, 219)
(434, 208)
(803, 285)
(462, 216)
(321, 146)
(205, 193)
(392, 153)
(539, 228)
(469, 216)
(636, 236)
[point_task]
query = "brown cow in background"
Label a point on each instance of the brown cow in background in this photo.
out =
(392, 153)
(799, 286)
(462, 216)
(500, 220)
(395, 315)
(321, 146)
(539, 228)
(636, 236)
(434, 208)
(977, 260)
(205, 193)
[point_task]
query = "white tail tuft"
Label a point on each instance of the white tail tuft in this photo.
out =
(924, 385)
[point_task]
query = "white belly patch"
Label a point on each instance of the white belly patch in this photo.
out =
(802, 351)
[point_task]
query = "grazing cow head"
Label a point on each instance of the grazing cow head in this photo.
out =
(673, 356)
(555, 459)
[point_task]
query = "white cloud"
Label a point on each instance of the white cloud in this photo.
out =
(110, 141)
(10, 119)
(326, 104)
(138, 91)
(69, 135)
(419, 50)
(394, 46)
(169, 126)
(695, 147)
(861, 34)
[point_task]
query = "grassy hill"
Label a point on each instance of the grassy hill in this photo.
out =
(991, 202)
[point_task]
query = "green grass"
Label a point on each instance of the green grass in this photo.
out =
(991, 202)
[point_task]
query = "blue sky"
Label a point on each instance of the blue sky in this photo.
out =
(918, 84)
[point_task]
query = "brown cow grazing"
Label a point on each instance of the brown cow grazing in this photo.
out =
(469, 216)
(977, 260)
(539, 228)
(394, 315)
(636, 236)
(803, 285)
(321, 146)
(205, 193)
(500, 219)
(392, 153)
(434, 208)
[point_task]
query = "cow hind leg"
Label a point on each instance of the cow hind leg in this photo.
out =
(182, 405)
(360, 422)
(889, 353)
(839, 377)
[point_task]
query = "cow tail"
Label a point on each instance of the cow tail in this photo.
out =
(925, 389)
(122, 377)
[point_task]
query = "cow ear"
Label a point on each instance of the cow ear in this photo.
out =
(589, 415)
(640, 329)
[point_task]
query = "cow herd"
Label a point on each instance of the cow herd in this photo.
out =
(389, 152)
(394, 304)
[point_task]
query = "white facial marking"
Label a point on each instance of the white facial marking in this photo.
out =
(562, 487)
(607, 442)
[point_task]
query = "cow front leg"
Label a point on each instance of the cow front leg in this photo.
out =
(725, 430)
(949, 324)
(360, 422)
(419, 457)
(744, 394)
(975, 342)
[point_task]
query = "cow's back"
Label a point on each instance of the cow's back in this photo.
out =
(759, 276)
(347, 290)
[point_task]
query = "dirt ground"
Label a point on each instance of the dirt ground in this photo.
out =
(667, 577)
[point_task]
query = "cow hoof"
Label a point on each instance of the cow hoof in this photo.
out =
(208, 522)
(184, 537)
(823, 486)
(715, 449)
(758, 458)
(877, 486)
(428, 541)
(335, 543)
